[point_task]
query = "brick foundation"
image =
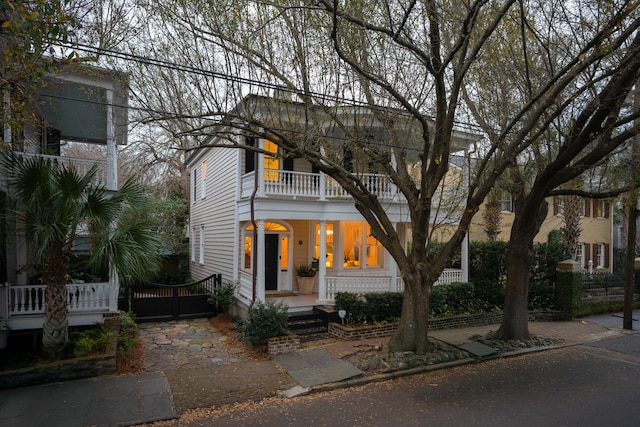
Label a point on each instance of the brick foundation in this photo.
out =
(283, 344)
(350, 333)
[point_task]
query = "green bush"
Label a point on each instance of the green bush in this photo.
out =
(222, 296)
(128, 331)
(489, 294)
(488, 261)
(264, 321)
(94, 340)
(370, 307)
(355, 306)
(384, 306)
(453, 298)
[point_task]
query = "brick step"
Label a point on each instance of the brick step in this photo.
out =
(307, 323)
(314, 337)
(310, 331)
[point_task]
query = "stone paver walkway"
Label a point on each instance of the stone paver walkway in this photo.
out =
(203, 370)
(185, 344)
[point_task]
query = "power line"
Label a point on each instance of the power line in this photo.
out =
(237, 79)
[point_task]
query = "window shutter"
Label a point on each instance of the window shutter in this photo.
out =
(607, 247)
(606, 209)
(587, 208)
(556, 202)
(249, 164)
(595, 208)
(587, 254)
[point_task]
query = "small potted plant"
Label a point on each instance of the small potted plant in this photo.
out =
(306, 276)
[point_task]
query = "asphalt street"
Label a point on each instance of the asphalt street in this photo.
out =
(595, 384)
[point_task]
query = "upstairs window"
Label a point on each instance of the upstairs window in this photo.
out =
(506, 202)
(601, 208)
(194, 183)
(203, 185)
(558, 206)
(271, 161)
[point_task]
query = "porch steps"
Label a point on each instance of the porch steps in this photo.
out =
(311, 325)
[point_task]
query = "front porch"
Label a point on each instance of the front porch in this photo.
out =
(22, 307)
(354, 284)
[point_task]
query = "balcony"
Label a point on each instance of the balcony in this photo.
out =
(82, 166)
(22, 307)
(291, 184)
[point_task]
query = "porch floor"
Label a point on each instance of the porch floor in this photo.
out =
(296, 302)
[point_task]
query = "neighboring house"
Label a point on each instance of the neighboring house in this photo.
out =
(594, 251)
(254, 219)
(77, 105)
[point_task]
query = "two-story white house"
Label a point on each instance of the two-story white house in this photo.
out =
(77, 105)
(255, 217)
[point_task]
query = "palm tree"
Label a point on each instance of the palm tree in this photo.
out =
(52, 204)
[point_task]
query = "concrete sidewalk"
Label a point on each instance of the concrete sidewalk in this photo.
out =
(101, 401)
(207, 380)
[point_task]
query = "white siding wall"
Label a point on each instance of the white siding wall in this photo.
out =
(216, 212)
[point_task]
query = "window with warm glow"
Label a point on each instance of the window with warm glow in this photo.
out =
(271, 162)
(374, 251)
(352, 242)
(329, 236)
(248, 245)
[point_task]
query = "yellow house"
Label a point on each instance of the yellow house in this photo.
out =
(594, 250)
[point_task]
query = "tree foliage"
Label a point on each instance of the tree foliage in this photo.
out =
(545, 83)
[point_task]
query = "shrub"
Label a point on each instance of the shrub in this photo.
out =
(354, 305)
(90, 341)
(264, 321)
(489, 293)
(222, 296)
(128, 331)
(453, 298)
(384, 307)
(487, 261)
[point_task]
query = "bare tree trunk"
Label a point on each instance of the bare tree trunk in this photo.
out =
(515, 318)
(411, 334)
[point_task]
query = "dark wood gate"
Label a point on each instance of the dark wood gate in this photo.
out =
(153, 302)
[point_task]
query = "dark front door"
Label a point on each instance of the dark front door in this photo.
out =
(271, 257)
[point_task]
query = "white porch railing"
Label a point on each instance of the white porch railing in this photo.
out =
(363, 284)
(84, 297)
(357, 285)
(313, 185)
(82, 166)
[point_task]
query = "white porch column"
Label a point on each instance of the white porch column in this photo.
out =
(322, 264)
(259, 169)
(323, 186)
(260, 252)
(112, 150)
(464, 258)
(393, 266)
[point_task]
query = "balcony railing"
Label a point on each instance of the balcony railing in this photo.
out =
(84, 297)
(313, 185)
(82, 166)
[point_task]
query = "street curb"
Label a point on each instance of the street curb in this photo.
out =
(360, 381)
